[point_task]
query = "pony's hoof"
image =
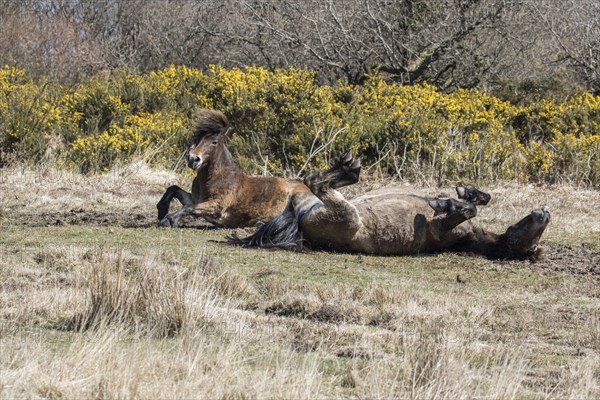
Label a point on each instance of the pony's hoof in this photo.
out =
(345, 171)
(473, 195)
(165, 223)
(162, 213)
(348, 165)
(451, 206)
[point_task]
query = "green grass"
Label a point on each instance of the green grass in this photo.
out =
(438, 271)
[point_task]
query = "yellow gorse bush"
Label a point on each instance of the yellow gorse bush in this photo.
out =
(462, 135)
(10, 79)
(284, 121)
(30, 115)
(120, 142)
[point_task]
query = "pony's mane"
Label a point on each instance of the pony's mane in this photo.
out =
(209, 122)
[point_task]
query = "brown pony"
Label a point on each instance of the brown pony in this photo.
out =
(391, 222)
(221, 193)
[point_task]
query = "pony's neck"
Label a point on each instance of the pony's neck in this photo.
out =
(221, 164)
(224, 161)
(486, 243)
(493, 245)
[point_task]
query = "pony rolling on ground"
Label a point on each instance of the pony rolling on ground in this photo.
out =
(221, 193)
(390, 222)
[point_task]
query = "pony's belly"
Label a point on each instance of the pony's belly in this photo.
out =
(394, 226)
(390, 240)
(235, 217)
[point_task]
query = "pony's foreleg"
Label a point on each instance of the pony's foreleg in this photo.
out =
(174, 191)
(449, 213)
(472, 195)
(171, 220)
(209, 210)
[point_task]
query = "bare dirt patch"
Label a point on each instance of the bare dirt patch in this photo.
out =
(82, 216)
(576, 260)
(581, 261)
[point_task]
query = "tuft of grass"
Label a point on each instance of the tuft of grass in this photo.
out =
(152, 299)
(294, 305)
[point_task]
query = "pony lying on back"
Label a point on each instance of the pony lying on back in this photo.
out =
(391, 222)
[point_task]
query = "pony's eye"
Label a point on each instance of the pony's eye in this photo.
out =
(215, 142)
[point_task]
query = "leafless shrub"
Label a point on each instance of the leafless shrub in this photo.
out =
(48, 44)
(450, 43)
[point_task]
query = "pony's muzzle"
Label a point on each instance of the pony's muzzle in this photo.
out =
(542, 215)
(194, 162)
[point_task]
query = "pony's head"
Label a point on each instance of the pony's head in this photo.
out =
(211, 132)
(521, 239)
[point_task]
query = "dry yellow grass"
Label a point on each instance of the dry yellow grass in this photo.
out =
(105, 305)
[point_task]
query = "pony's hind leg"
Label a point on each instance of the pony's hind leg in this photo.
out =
(344, 172)
(174, 191)
(334, 222)
(449, 213)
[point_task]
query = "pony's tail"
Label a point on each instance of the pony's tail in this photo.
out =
(283, 231)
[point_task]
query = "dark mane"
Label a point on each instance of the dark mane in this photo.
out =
(209, 122)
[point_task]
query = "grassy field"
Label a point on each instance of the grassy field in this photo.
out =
(95, 301)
